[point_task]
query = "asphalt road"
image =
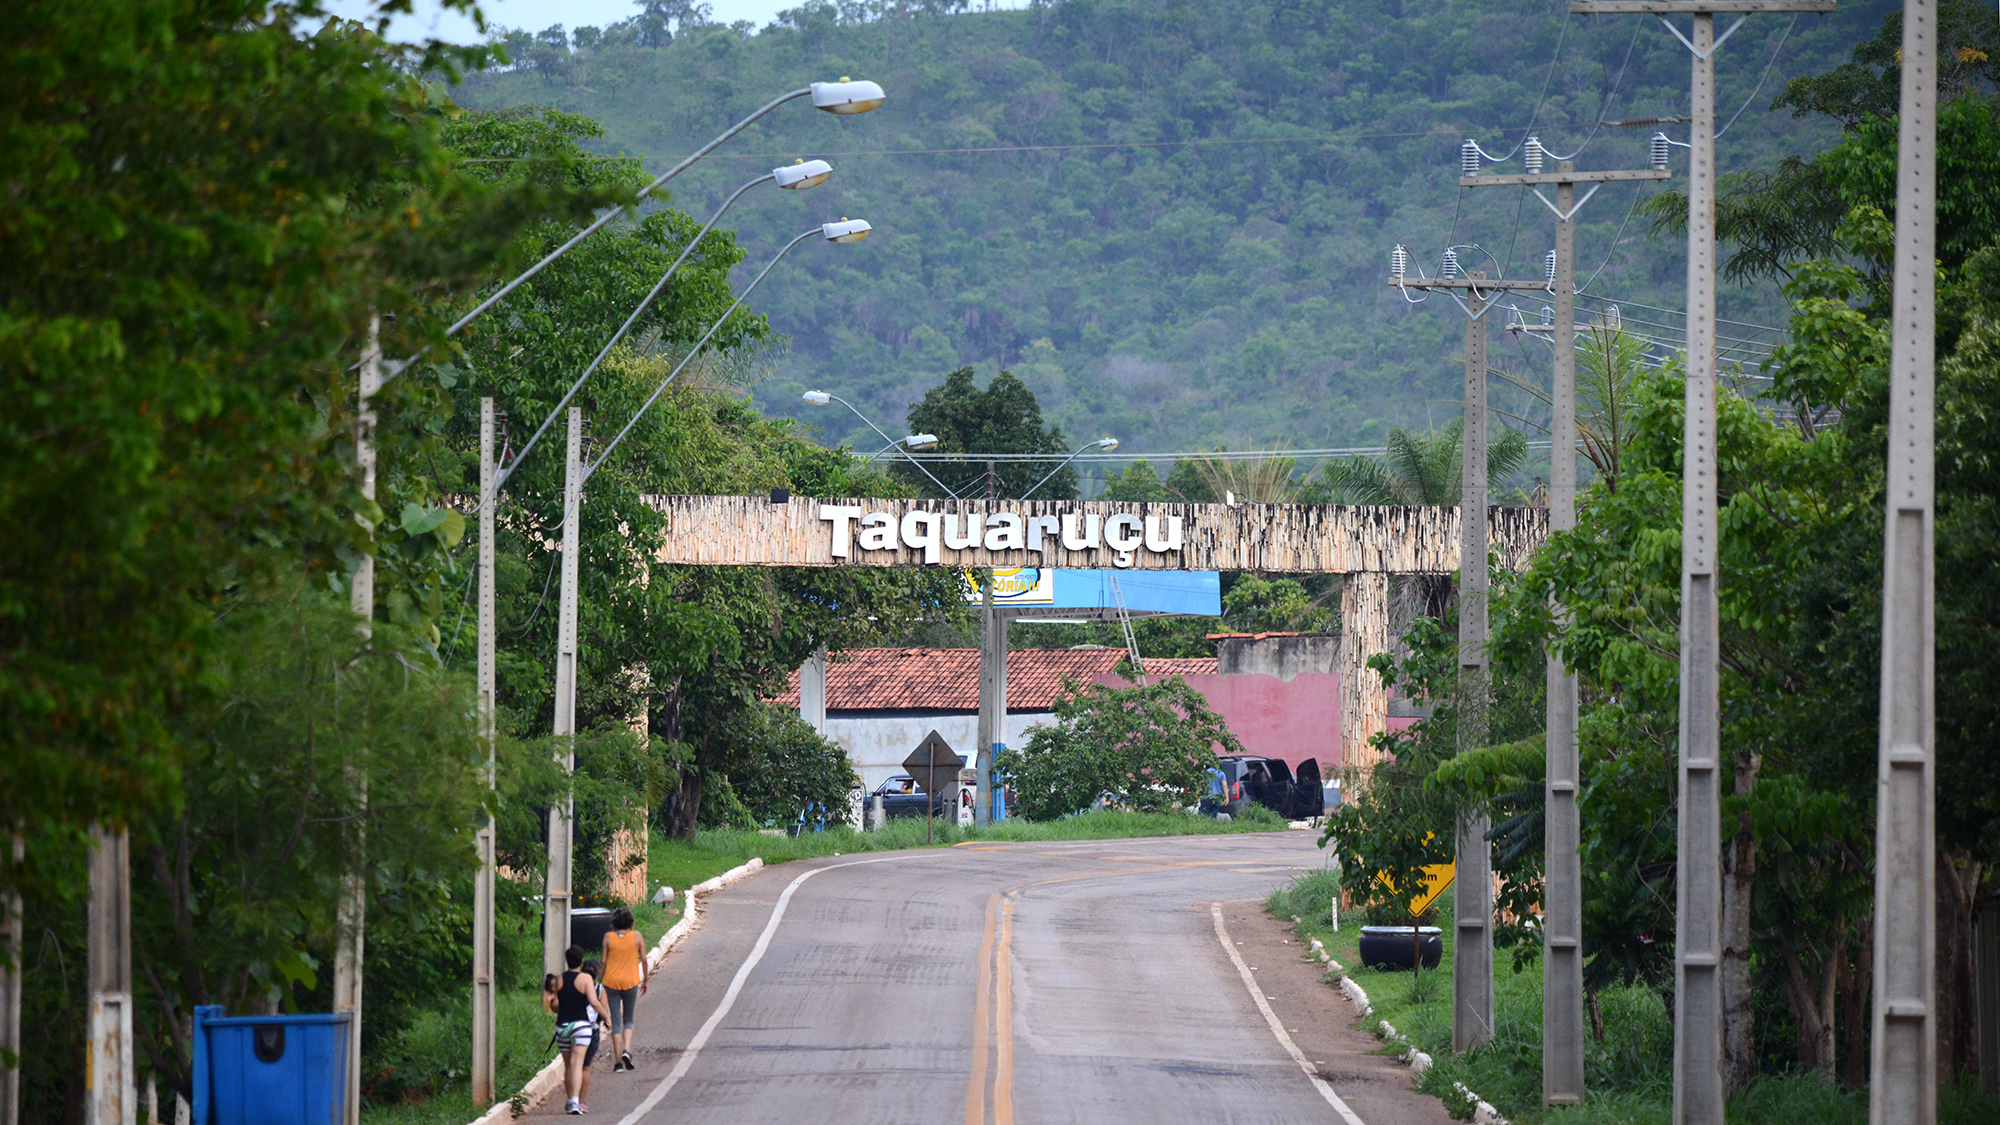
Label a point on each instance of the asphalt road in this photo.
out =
(1103, 981)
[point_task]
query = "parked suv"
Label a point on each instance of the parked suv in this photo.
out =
(1269, 782)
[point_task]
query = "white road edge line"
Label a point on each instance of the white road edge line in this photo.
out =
(1277, 1028)
(721, 1012)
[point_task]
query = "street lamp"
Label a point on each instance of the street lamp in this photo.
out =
(1106, 444)
(846, 230)
(845, 97)
(821, 398)
(914, 441)
(799, 176)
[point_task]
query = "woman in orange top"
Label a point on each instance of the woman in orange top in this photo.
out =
(624, 982)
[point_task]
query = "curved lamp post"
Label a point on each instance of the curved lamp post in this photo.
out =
(845, 97)
(846, 230)
(914, 441)
(799, 177)
(821, 398)
(1106, 444)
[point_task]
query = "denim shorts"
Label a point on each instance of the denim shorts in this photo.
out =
(624, 1005)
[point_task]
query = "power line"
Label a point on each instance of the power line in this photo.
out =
(1765, 77)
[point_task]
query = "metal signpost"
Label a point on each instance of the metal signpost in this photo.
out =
(934, 766)
(1562, 900)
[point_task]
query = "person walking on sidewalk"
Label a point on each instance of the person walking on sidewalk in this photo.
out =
(572, 1002)
(625, 981)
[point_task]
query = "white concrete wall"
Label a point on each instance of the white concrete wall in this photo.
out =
(878, 745)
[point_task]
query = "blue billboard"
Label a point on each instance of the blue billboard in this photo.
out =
(1195, 592)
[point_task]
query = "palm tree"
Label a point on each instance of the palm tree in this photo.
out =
(1607, 361)
(1422, 469)
(1263, 480)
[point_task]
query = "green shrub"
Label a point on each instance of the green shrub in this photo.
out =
(1151, 747)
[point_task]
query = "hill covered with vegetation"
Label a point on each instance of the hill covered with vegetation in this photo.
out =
(1170, 218)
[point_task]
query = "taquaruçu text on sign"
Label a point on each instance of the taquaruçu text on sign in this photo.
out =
(1269, 538)
(1120, 536)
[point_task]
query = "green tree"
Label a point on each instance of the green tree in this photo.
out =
(207, 203)
(235, 884)
(1422, 469)
(1002, 418)
(1150, 747)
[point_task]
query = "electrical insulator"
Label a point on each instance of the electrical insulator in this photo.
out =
(1548, 317)
(1399, 262)
(1448, 265)
(1549, 268)
(1611, 318)
(1468, 158)
(1657, 156)
(1532, 155)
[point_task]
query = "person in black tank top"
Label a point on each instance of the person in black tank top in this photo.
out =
(572, 1003)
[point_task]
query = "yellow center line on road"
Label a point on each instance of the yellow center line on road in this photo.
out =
(995, 976)
(975, 1085)
(1003, 1018)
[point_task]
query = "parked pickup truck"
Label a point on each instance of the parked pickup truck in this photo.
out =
(902, 796)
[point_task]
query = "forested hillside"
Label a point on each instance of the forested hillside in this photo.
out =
(1171, 218)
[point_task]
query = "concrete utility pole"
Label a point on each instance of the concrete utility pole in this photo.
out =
(352, 914)
(992, 698)
(992, 725)
(1562, 897)
(812, 690)
(483, 886)
(11, 926)
(1698, 1079)
(556, 903)
(113, 1095)
(1472, 870)
(1902, 1064)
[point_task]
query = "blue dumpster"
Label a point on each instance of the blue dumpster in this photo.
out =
(269, 1070)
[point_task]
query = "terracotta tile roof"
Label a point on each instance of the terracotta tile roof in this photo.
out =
(947, 679)
(1261, 636)
(1181, 666)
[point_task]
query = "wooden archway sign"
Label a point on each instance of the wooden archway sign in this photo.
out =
(1366, 544)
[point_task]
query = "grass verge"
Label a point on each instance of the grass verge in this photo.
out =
(436, 1049)
(1629, 1072)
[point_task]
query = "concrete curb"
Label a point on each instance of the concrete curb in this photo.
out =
(550, 1077)
(1418, 1061)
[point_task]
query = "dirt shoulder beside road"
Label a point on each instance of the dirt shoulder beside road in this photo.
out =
(1323, 1023)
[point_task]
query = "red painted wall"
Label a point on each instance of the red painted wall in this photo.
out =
(1290, 720)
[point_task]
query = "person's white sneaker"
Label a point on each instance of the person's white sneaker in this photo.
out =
(575, 1108)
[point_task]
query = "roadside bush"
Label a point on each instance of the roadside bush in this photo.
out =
(793, 765)
(1149, 746)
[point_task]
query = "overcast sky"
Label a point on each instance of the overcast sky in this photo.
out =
(534, 15)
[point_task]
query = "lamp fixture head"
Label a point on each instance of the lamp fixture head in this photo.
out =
(802, 175)
(920, 441)
(818, 398)
(846, 230)
(847, 96)
(1107, 444)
